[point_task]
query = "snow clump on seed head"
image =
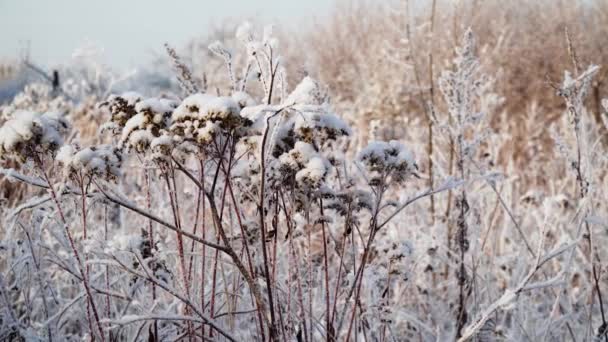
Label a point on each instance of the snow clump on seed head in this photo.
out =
(201, 117)
(103, 161)
(390, 160)
(28, 133)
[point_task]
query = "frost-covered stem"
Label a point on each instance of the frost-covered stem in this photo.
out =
(204, 248)
(222, 205)
(83, 215)
(180, 241)
(353, 287)
(176, 202)
(215, 259)
(261, 76)
(289, 284)
(195, 228)
(261, 204)
(7, 304)
(273, 73)
(387, 294)
(339, 277)
(217, 170)
(595, 258)
(373, 229)
(150, 235)
(329, 329)
(213, 289)
(237, 262)
(511, 294)
(231, 72)
(227, 173)
(85, 280)
(158, 220)
(107, 272)
(246, 71)
(275, 228)
(448, 209)
(227, 248)
(310, 282)
(432, 100)
(576, 114)
(198, 208)
(508, 210)
(463, 243)
(297, 268)
(241, 227)
(357, 284)
(40, 282)
(431, 175)
(149, 277)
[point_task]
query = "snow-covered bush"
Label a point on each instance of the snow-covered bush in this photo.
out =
(248, 213)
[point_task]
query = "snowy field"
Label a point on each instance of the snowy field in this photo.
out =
(396, 172)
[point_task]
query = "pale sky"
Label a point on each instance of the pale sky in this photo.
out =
(129, 30)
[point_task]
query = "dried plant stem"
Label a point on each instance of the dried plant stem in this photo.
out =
(432, 104)
(173, 200)
(330, 334)
(150, 236)
(149, 277)
(295, 258)
(39, 279)
(83, 215)
(204, 247)
(576, 114)
(107, 274)
(262, 213)
(373, 228)
(85, 280)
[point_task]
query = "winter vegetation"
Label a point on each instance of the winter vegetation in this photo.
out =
(402, 171)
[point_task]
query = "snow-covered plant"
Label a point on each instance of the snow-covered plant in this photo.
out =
(241, 209)
(460, 91)
(202, 118)
(233, 173)
(387, 163)
(583, 160)
(27, 135)
(102, 161)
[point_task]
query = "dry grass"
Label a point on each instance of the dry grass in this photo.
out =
(362, 53)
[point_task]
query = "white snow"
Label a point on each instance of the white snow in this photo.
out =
(314, 172)
(156, 105)
(102, 160)
(36, 131)
(391, 158)
(191, 106)
(307, 92)
(321, 121)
